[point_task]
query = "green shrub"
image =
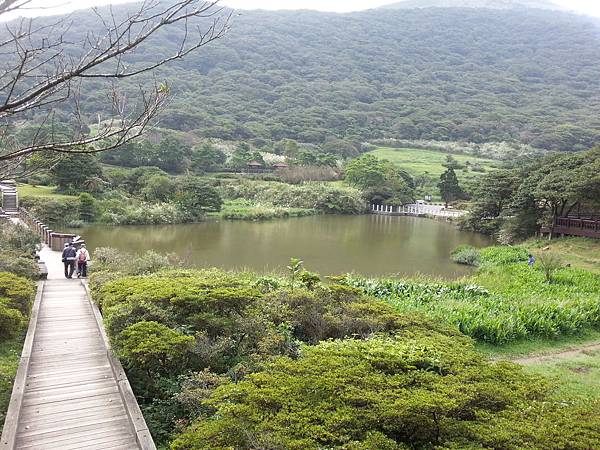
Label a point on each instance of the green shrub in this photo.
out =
(16, 296)
(52, 211)
(114, 260)
(247, 210)
(20, 264)
(313, 196)
(18, 238)
(19, 292)
(183, 333)
(467, 255)
(549, 263)
(310, 280)
(11, 320)
(427, 391)
(504, 254)
(153, 347)
(87, 207)
(144, 214)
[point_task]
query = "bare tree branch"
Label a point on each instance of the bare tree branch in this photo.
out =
(41, 67)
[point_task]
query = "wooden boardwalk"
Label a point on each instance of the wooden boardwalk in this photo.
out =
(70, 392)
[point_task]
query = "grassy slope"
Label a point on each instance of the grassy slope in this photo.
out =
(579, 252)
(577, 374)
(418, 161)
(27, 190)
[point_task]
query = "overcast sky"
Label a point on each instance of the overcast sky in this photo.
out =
(591, 7)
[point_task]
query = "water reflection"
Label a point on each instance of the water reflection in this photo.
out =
(371, 245)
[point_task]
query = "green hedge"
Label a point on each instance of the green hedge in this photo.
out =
(16, 297)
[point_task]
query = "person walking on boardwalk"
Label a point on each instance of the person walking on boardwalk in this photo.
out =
(82, 257)
(68, 258)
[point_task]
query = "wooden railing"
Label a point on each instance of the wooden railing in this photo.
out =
(582, 224)
(589, 226)
(53, 239)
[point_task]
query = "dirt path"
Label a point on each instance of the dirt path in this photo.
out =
(565, 354)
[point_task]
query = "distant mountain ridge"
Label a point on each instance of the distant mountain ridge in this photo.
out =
(458, 74)
(492, 4)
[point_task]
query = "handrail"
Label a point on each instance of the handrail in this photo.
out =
(53, 239)
(134, 413)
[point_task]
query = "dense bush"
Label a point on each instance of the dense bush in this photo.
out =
(235, 321)
(247, 210)
(320, 196)
(16, 296)
(467, 255)
(52, 211)
(11, 321)
(255, 361)
(16, 292)
(18, 263)
(15, 237)
(421, 391)
(144, 214)
(17, 245)
(117, 261)
(153, 347)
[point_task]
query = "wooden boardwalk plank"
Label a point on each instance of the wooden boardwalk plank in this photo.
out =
(72, 393)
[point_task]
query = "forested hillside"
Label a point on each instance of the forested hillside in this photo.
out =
(456, 74)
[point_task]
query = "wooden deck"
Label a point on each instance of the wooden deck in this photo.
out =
(574, 226)
(70, 392)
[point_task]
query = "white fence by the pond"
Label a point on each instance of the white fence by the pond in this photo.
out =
(416, 210)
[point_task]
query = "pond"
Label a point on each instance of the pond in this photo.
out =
(370, 245)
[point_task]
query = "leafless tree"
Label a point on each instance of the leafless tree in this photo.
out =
(42, 65)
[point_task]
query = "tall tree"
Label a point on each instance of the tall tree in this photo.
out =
(450, 190)
(380, 180)
(74, 171)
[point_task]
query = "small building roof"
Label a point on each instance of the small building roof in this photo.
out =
(254, 164)
(281, 165)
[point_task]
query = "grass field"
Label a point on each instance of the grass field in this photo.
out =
(579, 252)
(576, 373)
(418, 161)
(27, 190)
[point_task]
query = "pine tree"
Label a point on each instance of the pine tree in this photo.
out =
(449, 187)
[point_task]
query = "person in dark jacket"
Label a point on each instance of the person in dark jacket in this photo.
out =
(68, 259)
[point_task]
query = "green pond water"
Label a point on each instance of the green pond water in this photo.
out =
(369, 245)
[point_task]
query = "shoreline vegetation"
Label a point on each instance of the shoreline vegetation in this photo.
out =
(112, 194)
(298, 323)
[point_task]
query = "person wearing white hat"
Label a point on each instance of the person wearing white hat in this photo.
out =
(83, 256)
